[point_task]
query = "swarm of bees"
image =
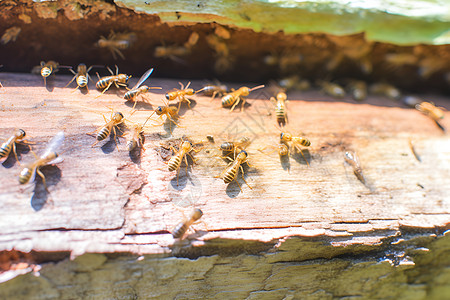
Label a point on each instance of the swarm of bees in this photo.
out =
(234, 152)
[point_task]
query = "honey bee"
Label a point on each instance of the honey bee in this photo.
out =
(282, 148)
(332, 89)
(170, 112)
(137, 90)
(231, 147)
(231, 171)
(297, 141)
(46, 69)
(294, 83)
(104, 131)
(181, 94)
(175, 161)
(10, 144)
(286, 61)
(280, 107)
(181, 228)
(81, 76)
(353, 160)
(116, 42)
(136, 138)
(224, 61)
(232, 99)
(174, 52)
(213, 90)
(10, 34)
(430, 110)
(386, 90)
(49, 157)
(106, 82)
(358, 89)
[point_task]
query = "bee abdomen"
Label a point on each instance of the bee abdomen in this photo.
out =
(229, 176)
(102, 83)
(4, 150)
(130, 95)
(305, 142)
(131, 145)
(174, 162)
(25, 176)
(82, 81)
(103, 134)
(228, 101)
(179, 230)
(45, 72)
(227, 146)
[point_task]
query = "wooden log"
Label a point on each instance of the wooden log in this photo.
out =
(300, 220)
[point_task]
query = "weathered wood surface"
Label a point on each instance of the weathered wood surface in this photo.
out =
(102, 201)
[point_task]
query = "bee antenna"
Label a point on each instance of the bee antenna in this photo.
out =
(257, 87)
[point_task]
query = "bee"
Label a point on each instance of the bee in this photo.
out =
(81, 76)
(170, 112)
(332, 89)
(386, 90)
(185, 148)
(181, 228)
(116, 42)
(280, 107)
(429, 109)
(232, 99)
(213, 90)
(224, 61)
(104, 131)
(132, 94)
(358, 89)
(46, 69)
(49, 157)
(294, 83)
(353, 160)
(181, 94)
(174, 52)
(286, 61)
(10, 34)
(231, 171)
(282, 148)
(297, 141)
(136, 137)
(230, 147)
(106, 82)
(10, 144)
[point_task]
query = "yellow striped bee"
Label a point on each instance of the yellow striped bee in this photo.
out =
(358, 89)
(175, 161)
(282, 148)
(46, 69)
(232, 99)
(238, 145)
(213, 90)
(137, 90)
(386, 90)
(104, 131)
(181, 94)
(332, 89)
(280, 107)
(118, 80)
(170, 112)
(10, 144)
(181, 228)
(49, 157)
(116, 42)
(231, 171)
(81, 76)
(297, 141)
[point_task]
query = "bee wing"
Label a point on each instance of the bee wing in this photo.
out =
(54, 144)
(143, 78)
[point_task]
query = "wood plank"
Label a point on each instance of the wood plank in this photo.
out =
(100, 200)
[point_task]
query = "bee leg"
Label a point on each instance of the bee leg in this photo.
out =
(236, 103)
(213, 95)
(262, 149)
(15, 152)
(43, 179)
(243, 104)
(109, 85)
(72, 79)
(238, 184)
(118, 52)
(242, 173)
(301, 152)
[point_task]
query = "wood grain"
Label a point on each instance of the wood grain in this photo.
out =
(103, 200)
